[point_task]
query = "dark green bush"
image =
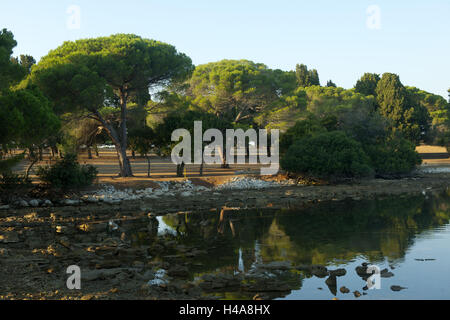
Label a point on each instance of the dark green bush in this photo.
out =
(393, 157)
(327, 155)
(67, 172)
(301, 129)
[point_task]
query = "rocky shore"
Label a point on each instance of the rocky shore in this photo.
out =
(112, 235)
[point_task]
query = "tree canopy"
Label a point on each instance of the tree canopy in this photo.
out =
(88, 75)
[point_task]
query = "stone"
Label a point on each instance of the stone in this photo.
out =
(4, 252)
(357, 294)
(397, 288)
(9, 237)
(70, 202)
(386, 274)
(178, 271)
(344, 290)
(338, 272)
(34, 203)
(5, 207)
(319, 271)
(47, 203)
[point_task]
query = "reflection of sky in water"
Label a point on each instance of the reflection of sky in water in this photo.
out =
(390, 234)
(163, 228)
(423, 279)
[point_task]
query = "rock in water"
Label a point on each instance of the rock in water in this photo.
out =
(397, 288)
(344, 290)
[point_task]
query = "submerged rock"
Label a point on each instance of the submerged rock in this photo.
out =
(338, 272)
(344, 290)
(398, 288)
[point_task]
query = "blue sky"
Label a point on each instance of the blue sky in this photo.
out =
(331, 36)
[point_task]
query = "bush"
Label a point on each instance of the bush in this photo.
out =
(301, 129)
(327, 155)
(393, 157)
(67, 172)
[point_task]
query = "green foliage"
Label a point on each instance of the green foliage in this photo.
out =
(407, 116)
(141, 140)
(10, 72)
(237, 89)
(367, 85)
(305, 77)
(88, 75)
(327, 155)
(67, 173)
(331, 84)
(393, 157)
(303, 128)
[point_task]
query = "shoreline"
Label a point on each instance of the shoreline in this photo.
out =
(267, 195)
(38, 244)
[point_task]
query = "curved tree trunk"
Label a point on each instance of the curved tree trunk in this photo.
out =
(124, 162)
(120, 142)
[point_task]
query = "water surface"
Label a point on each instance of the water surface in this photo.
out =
(409, 236)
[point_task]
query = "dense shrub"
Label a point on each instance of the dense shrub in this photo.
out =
(67, 172)
(325, 155)
(393, 157)
(301, 129)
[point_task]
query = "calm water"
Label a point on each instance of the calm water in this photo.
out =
(394, 233)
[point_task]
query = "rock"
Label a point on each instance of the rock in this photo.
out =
(101, 274)
(275, 265)
(112, 201)
(34, 203)
(178, 272)
(4, 252)
(386, 274)
(338, 273)
(22, 203)
(397, 288)
(9, 237)
(70, 202)
(47, 203)
(357, 294)
(5, 207)
(344, 290)
(319, 271)
(186, 194)
(362, 271)
(331, 281)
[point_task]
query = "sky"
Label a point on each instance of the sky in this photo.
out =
(341, 39)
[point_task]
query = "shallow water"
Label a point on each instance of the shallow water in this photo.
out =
(410, 236)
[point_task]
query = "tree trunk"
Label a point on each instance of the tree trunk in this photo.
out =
(223, 155)
(124, 162)
(148, 167)
(201, 168)
(96, 151)
(180, 169)
(133, 154)
(89, 153)
(33, 160)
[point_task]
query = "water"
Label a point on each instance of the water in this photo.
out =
(410, 236)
